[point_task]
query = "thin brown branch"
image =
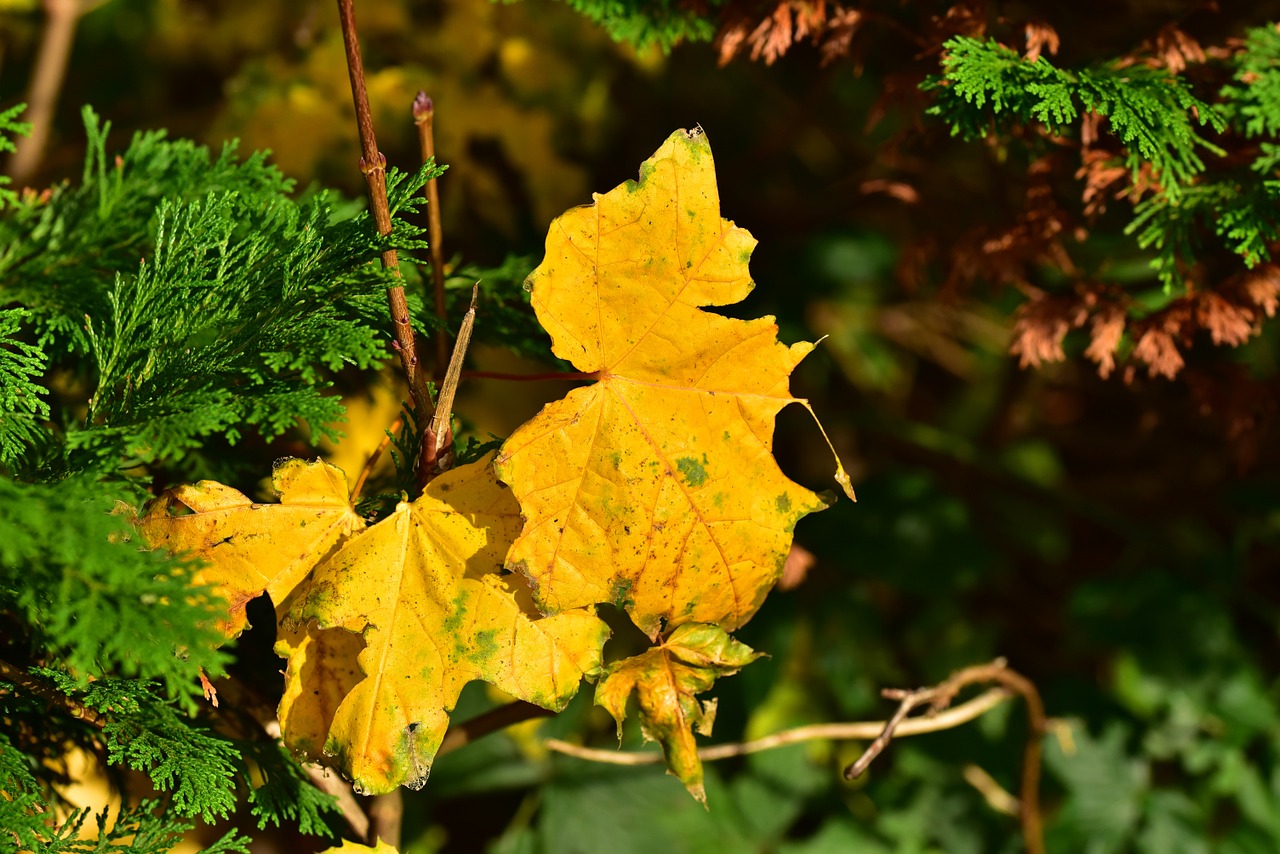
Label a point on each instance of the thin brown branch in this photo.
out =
(49, 693)
(992, 792)
(910, 700)
(372, 462)
(386, 816)
(331, 783)
(438, 456)
(556, 375)
(940, 696)
(858, 730)
(424, 112)
(374, 167)
(46, 83)
(489, 722)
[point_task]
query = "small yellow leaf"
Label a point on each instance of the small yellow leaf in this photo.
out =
(656, 488)
(666, 680)
(349, 847)
(251, 548)
(425, 588)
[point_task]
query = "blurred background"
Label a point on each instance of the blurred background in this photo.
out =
(1114, 538)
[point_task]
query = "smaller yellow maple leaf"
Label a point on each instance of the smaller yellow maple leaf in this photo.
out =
(251, 548)
(426, 590)
(666, 680)
(349, 847)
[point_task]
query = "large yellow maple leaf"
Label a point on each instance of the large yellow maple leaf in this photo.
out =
(655, 488)
(426, 589)
(250, 548)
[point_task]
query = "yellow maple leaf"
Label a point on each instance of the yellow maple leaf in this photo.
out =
(426, 589)
(250, 548)
(349, 847)
(655, 488)
(323, 668)
(665, 680)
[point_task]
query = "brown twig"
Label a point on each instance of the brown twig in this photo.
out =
(386, 815)
(46, 83)
(49, 693)
(499, 375)
(373, 165)
(424, 112)
(947, 719)
(437, 458)
(326, 781)
(489, 722)
(940, 696)
(992, 792)
(372, 462)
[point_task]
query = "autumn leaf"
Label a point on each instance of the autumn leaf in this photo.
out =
(322, 670)
(666, 680)
(251, 548)
(426, 590)
(655, 488)
(349, 847)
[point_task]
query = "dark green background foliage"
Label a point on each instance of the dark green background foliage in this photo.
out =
(925, 195)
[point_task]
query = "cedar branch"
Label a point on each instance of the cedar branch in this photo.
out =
(49, 693)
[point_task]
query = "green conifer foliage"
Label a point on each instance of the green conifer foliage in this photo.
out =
(168, 299)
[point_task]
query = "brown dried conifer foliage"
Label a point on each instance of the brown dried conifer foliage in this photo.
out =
(1044, 201)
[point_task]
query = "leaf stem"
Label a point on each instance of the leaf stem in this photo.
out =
(555, 375)
(373, 165)
(424, 118)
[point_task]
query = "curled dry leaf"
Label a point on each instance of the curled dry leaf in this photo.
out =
(655, 488)
(426, 590)
(666, 681)
(250, 548)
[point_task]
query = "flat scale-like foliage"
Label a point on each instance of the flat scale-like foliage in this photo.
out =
(167, 299)
(194, 296)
